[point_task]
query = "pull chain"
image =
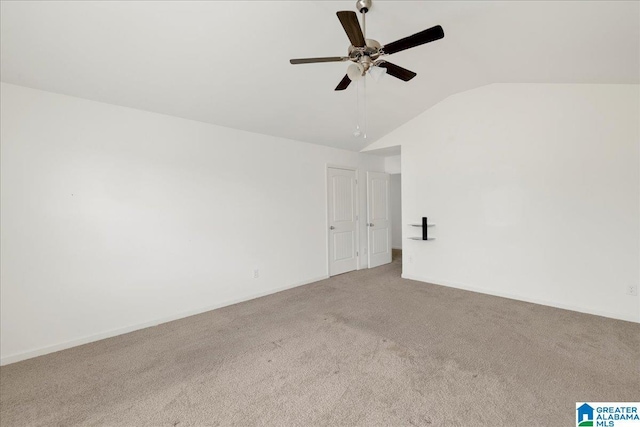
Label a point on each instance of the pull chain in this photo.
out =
(357, 132)
(364, 107)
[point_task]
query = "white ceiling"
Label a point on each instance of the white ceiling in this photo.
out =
(227, 62)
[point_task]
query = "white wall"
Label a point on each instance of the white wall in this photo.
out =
(114, 218)
(392, 164)
(395, 187)
(535, 192)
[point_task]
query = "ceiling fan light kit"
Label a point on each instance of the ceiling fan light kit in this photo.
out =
(365, 54)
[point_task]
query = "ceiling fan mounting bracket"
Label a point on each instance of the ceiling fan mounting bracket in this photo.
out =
(363, 5)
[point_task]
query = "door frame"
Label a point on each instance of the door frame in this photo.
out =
(327, 213)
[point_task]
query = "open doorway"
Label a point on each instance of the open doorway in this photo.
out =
(395, 202)
(393, 166)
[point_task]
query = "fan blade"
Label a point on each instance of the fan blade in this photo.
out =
(351, 25)
(314, 60)
(397, 71)
(426, 36)
(344, 83)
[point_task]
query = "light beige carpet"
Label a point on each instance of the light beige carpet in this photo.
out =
(366, 348)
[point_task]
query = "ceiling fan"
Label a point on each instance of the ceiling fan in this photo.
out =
(365, 53)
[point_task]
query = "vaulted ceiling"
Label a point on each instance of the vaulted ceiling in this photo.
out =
(226, 63)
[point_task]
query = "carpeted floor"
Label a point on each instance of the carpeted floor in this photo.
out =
(365, 348)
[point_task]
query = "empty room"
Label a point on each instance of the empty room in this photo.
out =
(320, 213)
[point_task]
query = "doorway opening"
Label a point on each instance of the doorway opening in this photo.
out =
(393, 166)
(396, 216)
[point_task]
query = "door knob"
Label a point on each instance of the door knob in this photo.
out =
(332, 228)
(370, 224)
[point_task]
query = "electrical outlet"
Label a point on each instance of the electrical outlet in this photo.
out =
(632, 290)
(410, 259)
(256, 273)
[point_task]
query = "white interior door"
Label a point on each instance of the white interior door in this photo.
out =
(378, 219)
(343, 222)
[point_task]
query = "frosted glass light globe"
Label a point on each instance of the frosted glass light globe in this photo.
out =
(377, 72)
(354, 72)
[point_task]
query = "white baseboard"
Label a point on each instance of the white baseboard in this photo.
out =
(635, 319)
(114, 332)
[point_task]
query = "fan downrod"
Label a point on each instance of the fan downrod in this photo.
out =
(366, 55)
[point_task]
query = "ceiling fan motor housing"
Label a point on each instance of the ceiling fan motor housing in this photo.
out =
(371, 49)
